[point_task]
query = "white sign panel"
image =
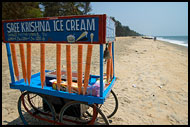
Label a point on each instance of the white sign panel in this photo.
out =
(110, 29)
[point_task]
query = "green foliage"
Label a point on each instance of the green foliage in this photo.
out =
(20, 10)
(87, 8)
(124, 30)
(65, 8)
(72, 8)
(52, 9)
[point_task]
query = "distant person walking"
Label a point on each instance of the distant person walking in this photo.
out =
(154, 38)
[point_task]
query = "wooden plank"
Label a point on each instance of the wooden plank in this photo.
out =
(69, 71)
(111, 61)
(58, 63)
(22, 56)
(42, 68)
(108, 72)
(87, 67)
(15, 63)
(79, 80)
(28, 62)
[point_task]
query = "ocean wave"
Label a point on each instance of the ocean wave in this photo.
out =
(183, 43)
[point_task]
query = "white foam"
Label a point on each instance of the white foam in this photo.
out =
(173, 41)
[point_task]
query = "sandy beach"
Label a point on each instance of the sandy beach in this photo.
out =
(151, 85)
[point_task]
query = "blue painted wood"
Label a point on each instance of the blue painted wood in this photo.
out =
(101, 70)
(70, 29)
(10, 62)
(108, 89)
(35, 86)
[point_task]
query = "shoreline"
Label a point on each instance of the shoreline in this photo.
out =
(181, 47)
(164, 40)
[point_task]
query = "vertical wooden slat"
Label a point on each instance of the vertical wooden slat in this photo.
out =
(28, 62)
(108, 65)
(69, 71)
(87, 67)
(111, 61)
(22, 56)
(42, 68)
(58, 59)
(80, 49)
(111, 69)
(15, 64)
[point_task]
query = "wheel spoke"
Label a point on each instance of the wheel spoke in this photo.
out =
(82, 120)
(110, 105)
(32, 114)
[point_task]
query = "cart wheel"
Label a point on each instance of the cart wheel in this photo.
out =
(74, 112)
(109, 107)
(36, 113)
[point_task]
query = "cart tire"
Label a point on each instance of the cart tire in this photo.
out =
(103, 105)
(116, 105)
(33, 115)
(69, 106)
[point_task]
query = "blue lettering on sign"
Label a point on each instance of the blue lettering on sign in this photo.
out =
(68, 30)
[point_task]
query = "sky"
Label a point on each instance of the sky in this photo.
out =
(148, 18)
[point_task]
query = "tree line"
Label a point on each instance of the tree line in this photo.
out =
(123, 30)
(21, 10)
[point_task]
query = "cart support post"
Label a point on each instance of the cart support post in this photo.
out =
(101, 70)
(10, 63)
(113, 59)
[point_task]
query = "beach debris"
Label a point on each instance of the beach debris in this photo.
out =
(160, 87)
(150, 115)
(134, 86)
(144, 50)
(147, 37)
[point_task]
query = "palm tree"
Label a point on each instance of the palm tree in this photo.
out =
(66, 8)
(87, 7)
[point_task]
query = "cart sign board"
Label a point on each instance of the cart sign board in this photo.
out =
(110, 29)
(86, 29)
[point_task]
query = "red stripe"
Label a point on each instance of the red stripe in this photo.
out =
(52, 18)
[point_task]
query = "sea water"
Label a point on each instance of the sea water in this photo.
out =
(180, 40)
